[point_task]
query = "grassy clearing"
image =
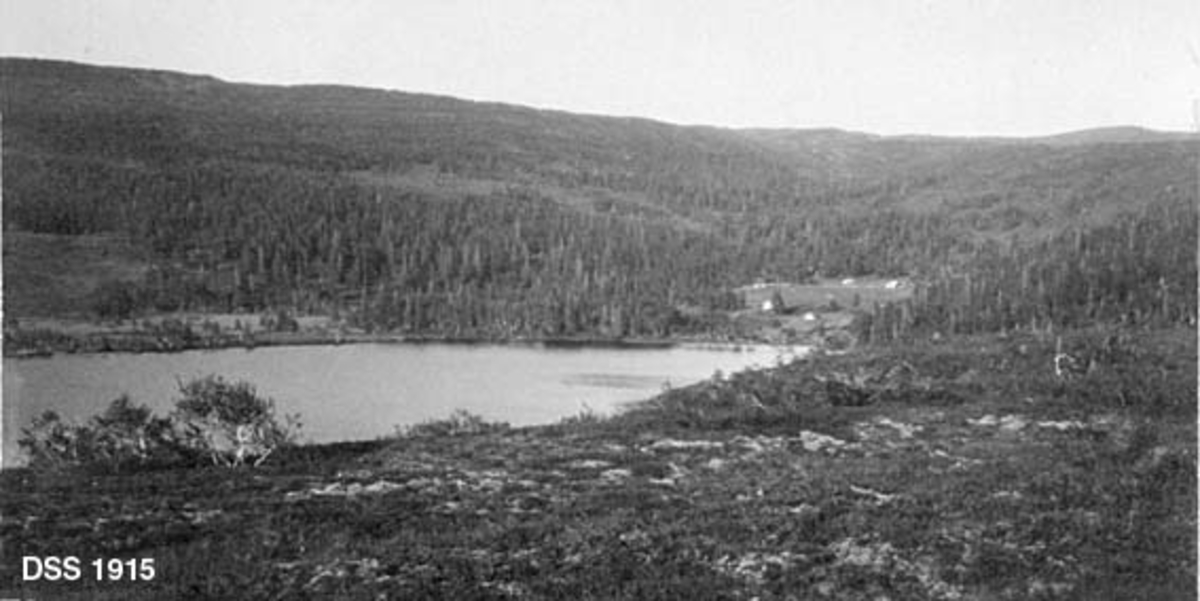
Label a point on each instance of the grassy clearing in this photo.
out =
(962, 470)
(825, 293)
(822, 311)
(48, 275)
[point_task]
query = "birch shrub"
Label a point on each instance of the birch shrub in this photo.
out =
(229, 422)
(124, 436)
(226, 423)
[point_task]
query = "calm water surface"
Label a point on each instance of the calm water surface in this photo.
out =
(367, 390)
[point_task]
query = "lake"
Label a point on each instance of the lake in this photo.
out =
(363, 391)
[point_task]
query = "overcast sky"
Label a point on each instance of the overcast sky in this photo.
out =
(952, 67)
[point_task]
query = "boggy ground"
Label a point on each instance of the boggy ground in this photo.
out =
(956, 470)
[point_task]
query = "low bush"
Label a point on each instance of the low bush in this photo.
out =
(460, 423)
(229, 422)
(125, 435)
(50, 442)
(225, 422)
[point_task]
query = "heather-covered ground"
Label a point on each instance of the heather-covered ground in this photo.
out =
(963, 469)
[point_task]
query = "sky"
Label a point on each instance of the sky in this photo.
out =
(942, 67)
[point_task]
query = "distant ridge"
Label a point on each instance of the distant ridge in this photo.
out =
(1119, 134)
(1125, 134)
(686, 175)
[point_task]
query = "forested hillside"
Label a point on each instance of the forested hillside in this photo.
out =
(419, 213)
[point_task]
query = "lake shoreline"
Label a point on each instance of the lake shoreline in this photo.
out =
(382, 385)
(45, 342)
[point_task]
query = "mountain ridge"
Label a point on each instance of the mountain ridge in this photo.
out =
(111, 114)
(1126, 133)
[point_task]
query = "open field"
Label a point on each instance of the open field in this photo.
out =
(50, 275)
(819, 312)
(844, 292)
(960, 470)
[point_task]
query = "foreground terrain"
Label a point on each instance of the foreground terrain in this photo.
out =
(957, 470)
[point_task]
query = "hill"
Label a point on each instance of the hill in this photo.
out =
(433, 214)
(1117, 135)
(138, 117)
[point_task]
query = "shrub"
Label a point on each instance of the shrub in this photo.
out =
(218, 420)
(461, 422)
(50, 442)
(229, 422)
(586, 420)
(127, 433)
(124, 435)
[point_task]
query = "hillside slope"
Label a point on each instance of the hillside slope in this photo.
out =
(138, 117)
(433, 214)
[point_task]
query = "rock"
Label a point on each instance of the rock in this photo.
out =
(381, 487)
(748, 444)
(1061, 426)
(589, 464)
(817, 442)
(1008, 423)
(668, 444)
(880, 498)
(353, 489)
(987, 420)
(876, 556)
(804, 510)
(1013, 423)
(423, 483)
(904, 430)
(616, 475)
